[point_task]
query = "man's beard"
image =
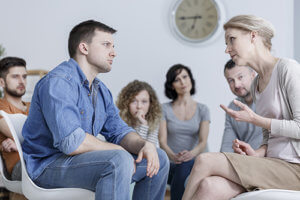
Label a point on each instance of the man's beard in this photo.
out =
(14, 93)
(245, 96)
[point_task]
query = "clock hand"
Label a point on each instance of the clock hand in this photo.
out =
(194, 22)
(190, 17)
(193, 25)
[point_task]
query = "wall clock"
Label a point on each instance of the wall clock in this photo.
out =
(197, 21)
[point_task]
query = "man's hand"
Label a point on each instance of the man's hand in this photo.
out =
(243, 148)
(9, 145)
(149, 152)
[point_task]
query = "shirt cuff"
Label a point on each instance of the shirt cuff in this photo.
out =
(70, 143)
(144, 127)
(275, 127)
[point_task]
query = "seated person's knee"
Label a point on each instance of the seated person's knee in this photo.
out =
(206, 185)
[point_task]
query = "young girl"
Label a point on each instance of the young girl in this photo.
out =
(140, 109)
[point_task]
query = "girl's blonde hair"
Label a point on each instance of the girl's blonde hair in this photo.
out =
(253, 23)
(127, 95)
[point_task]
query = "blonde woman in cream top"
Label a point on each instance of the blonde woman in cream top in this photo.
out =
(280, 101)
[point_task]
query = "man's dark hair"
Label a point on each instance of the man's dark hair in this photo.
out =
(229, 65)
(85, 31)
(8, 62)
(170, 78)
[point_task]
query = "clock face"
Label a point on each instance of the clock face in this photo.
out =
(196, 20)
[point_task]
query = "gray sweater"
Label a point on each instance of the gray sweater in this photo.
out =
(243, 131)
(289, 83)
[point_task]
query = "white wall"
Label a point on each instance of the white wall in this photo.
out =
(37, 31)
(297, 30)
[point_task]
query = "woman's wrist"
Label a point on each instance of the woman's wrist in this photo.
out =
(171, 155)
(260, 121)
(196, 151)
(261, 152)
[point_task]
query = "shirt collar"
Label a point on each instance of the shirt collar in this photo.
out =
(244, 102)
(82, 77)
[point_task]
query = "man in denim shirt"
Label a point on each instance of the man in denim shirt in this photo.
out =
(70, 106)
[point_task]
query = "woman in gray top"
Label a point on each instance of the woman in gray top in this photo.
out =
(276, 92)
(184, 127)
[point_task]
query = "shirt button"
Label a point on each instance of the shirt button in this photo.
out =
(81, 112)
(89, 94)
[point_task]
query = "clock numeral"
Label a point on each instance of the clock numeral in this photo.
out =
(188, 31)
(209, 8)
(204, 30)
(203, 3)
(183, 25)
(188, 3)
(196, 32)
(211, 16)
(209, 24)
(181, 9)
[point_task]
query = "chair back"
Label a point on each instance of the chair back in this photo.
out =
(14, 186)
(15, 123)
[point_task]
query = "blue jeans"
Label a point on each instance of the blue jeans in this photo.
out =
(108, 174)
(177, 175)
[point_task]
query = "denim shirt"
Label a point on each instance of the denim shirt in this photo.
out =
(62, 110)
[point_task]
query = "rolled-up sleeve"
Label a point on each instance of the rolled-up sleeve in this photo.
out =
(61, 113)
(71, 142)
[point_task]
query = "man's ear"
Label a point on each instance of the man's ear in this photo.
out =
(83, 48)
(2, 83)
(253, 74)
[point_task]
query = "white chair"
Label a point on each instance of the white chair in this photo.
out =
(271, 194)
(14, 186)
(15, 123)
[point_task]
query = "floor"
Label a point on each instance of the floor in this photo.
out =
(15, 196)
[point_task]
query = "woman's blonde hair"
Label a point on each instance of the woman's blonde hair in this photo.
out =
(253, 23)
(127, 95)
